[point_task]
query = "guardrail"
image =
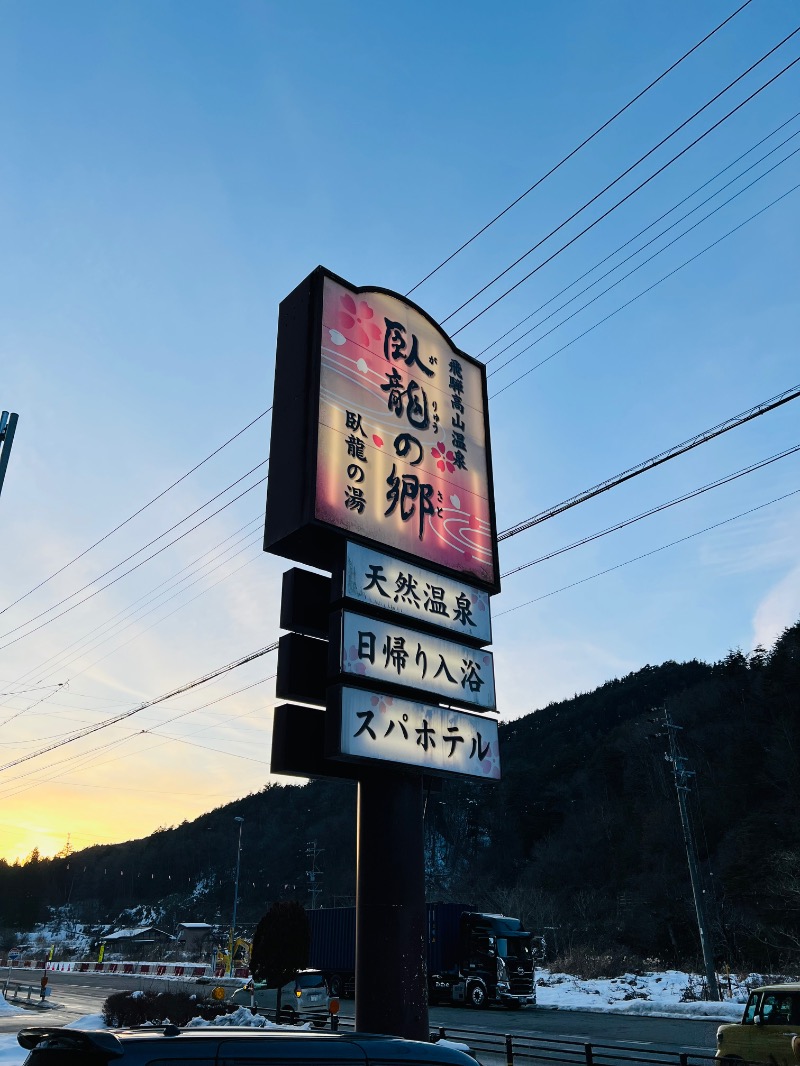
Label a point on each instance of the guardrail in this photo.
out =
(516, 1048)
(148, 969)
(16, 987)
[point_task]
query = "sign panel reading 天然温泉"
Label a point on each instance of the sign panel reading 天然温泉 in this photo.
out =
(391, 585)
(402, 453)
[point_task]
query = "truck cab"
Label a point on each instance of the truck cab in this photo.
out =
(494, 964)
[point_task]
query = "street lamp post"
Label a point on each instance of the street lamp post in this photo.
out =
(240, 820)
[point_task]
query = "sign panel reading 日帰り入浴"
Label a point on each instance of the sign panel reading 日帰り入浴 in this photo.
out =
(402, 457)
(440, 669)
(390, 585)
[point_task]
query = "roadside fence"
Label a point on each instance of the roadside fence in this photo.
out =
(517, 1049)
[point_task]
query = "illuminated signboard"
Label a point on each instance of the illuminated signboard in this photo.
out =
(371, 726)
(391, 585)
(379, 435)
(396, 656)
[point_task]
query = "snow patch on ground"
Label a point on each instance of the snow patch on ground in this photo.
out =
(663, 994)
(243, 1016)
(88, 1021)
(454, 1045)
(8, 1008)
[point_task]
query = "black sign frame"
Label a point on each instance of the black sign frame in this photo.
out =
(292, 529)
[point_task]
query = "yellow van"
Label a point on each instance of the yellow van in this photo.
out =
(769, 1030)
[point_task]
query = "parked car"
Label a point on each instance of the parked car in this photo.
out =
(209, 1046)
(304, 998)
(769, 1030)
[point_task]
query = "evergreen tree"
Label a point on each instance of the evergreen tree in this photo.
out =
(280, 946)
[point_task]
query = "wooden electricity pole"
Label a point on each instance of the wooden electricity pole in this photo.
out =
(682, 775)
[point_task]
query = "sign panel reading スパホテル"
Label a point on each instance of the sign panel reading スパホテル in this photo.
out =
(438, 740)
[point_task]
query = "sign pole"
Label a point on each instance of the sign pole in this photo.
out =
(391, 970)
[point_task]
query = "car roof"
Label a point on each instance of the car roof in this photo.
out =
(789, 986)
(294, 1044)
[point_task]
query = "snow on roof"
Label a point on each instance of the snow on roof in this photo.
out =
(194, 925)
(134, 931)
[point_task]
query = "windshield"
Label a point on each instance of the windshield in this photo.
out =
(750, 1010)
(514, 948)
(780, 1008)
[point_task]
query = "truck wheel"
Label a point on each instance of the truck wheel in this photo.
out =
(476, 996)
(335, 986)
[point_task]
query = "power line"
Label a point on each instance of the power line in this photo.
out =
(639, 266)
(143, 706)
(37, 670)
(636, 252)
(646, 555)
(121, 740)
(136, 614)
(217, 751)
(645, 291)
(175, 610)
(139, 634)
(138, 551)
(91, 763)
(655, 222)
(135, 514)
(583, 144)
(627, 196)
(657, 460)
(130, 571)
(656, 510)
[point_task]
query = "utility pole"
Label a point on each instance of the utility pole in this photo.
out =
(314, 875)
(682, 775)
(232, 938)
(8, 427)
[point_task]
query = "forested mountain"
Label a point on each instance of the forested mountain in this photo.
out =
(582, 838)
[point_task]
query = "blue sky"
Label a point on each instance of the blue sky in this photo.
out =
(170, 171)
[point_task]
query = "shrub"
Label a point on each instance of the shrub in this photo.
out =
(130, 1009)
(583, 963)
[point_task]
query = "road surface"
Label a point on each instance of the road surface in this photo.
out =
(73, 995)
